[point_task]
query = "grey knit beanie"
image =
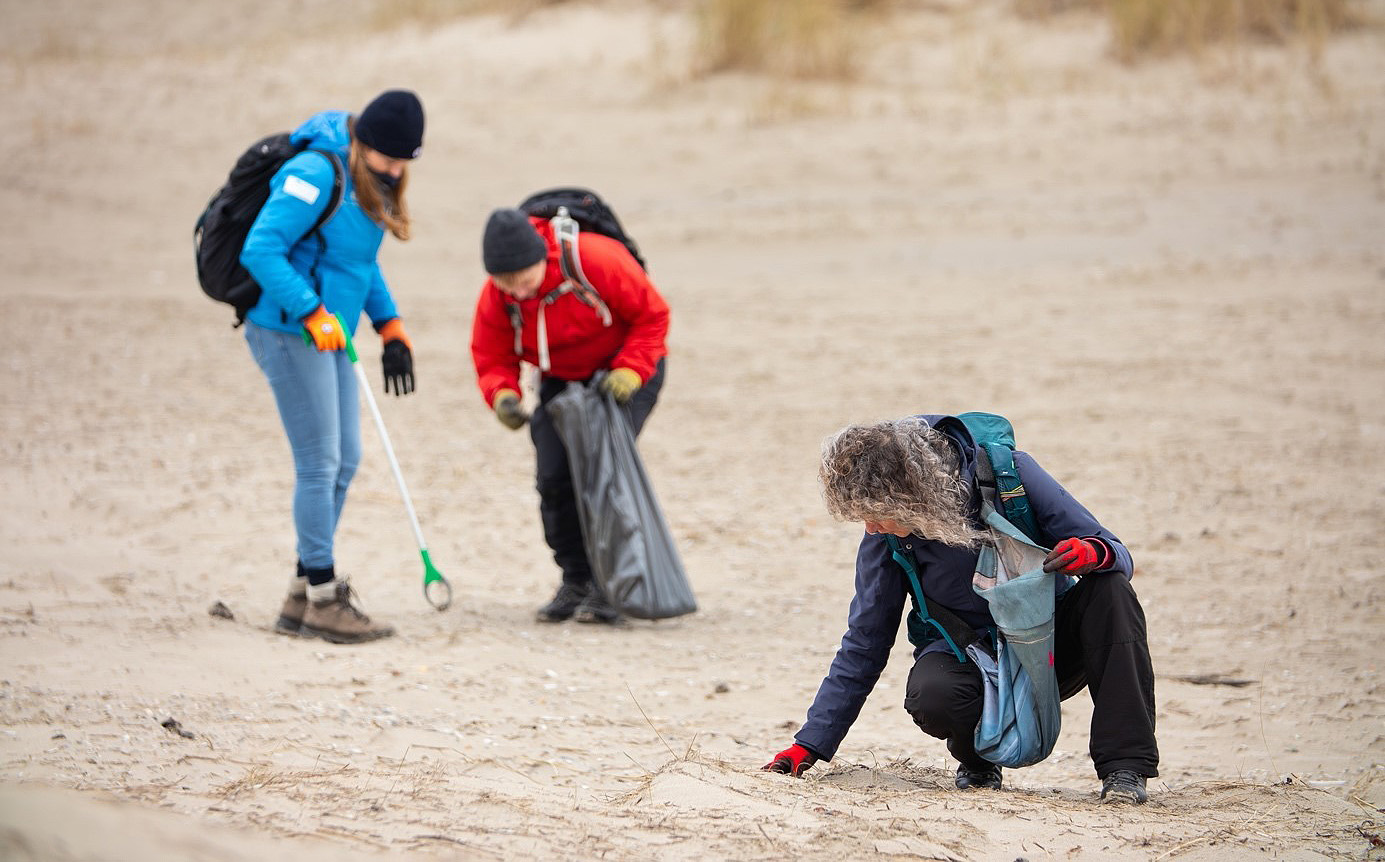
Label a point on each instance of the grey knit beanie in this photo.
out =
(510, 242)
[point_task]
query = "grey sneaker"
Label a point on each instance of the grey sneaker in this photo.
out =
(290, 620)
(595, 609)
(987, 778)
(339, 621)
(565, 603)
(1124, 786)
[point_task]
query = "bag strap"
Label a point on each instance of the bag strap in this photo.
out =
(338, 186)
(565, 231)
(517, 323)
(997, 475)
(957, 633)
(1007, 488)
(333, 204)
(985, 477)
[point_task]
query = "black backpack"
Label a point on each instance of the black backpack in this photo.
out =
(572, 210)
(223, 225)
(588, 209)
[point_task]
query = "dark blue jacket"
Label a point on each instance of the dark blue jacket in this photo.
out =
(882, 594)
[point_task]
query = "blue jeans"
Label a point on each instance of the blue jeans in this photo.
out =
(319, 406)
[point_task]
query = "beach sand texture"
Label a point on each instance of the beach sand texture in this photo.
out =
(1171, 277)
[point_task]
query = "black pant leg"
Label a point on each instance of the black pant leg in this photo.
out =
(944, 697)
(641, 404)
(562, 527)
(1100, 642)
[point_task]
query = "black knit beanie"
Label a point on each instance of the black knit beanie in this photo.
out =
(510, 242)
(392, 124)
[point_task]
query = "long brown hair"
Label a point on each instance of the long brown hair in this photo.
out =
(385, 207)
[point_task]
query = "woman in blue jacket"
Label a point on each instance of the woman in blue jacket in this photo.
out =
(914, 482)
(316, 282)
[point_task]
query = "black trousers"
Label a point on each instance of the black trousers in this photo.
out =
(1100, 644)
(562, 527)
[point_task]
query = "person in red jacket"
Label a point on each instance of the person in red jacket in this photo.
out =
(529, 312)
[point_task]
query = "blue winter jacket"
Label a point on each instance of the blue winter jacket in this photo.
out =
(296, 272)
(945, 573)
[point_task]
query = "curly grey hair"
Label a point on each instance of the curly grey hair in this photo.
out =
(901, 470)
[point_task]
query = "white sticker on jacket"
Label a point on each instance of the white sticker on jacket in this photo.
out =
(301, 189)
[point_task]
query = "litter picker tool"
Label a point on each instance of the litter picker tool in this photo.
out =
(436, 590)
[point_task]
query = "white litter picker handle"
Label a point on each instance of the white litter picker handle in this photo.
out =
(436, 590)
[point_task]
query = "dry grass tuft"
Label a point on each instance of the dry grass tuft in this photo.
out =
(429, 13)
(826, 39)
(1141, 28)
(794, 38)
(1045, 8)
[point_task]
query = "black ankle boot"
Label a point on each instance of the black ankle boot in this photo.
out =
(987, 777)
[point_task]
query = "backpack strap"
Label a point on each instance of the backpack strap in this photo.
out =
(997, 476)
(957, 633)
(985, 477)
(334, 199)
(565, 231)
(338, 186)
(517, 323)
(575, 282)
(333, 204)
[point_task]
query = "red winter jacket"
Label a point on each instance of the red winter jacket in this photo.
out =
(579, 344)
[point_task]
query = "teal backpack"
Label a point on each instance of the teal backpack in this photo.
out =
(996, 473)
(1021, 713)
(1000, 485)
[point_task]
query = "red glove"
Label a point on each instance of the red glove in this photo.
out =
(794, 760)
(1078, 557)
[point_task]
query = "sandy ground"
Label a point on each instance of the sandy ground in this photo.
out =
(1171, 278)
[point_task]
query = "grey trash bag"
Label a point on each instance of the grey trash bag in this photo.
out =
(629, 545)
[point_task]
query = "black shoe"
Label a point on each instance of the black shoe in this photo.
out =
(565, 602)
(987, 777)
(1124, 786)
(595, 609)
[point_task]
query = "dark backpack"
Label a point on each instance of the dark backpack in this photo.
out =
(571, 210)
(221, 229)
(588, 209)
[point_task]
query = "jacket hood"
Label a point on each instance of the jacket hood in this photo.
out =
(954, 430)
(325, 131)
(957, 433)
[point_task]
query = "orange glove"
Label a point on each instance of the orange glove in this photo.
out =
(325, 330)
(393, 330)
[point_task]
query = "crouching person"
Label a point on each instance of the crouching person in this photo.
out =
(916, 485)
(529, 311)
